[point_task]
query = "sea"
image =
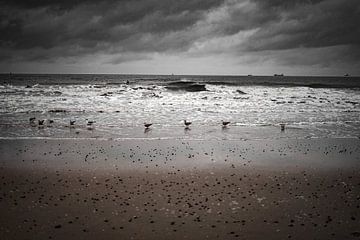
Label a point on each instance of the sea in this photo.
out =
(119, 105)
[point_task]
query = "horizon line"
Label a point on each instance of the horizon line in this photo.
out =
(161, 74)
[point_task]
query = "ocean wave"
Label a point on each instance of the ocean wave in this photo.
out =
(166, 101)
(188, 86)
(355, 86)
(100, 81)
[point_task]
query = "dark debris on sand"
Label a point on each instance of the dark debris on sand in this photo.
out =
(158, 199)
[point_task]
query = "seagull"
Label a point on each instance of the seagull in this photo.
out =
(41, 122)
(225, 123)
(147, 125)
(187, 124)
(32, 119)
(90, 122)
(72, 122)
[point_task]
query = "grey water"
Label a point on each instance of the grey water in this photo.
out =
(310, 107)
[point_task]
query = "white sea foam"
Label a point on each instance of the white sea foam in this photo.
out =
(121, 110)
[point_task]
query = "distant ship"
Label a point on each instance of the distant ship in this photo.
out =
(278, 75)
(347, 75)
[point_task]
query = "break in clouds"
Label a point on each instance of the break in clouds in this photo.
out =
(298, 32)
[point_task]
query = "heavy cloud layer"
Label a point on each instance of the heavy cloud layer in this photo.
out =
(127, 30)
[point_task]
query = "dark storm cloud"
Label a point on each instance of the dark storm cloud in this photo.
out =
(309, 24)
(127, 58)
(323, 32)
(295, 25)
(47, 29)
(95, 26)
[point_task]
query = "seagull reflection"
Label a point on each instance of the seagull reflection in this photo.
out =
(225, 128)
(187, 129)
(147, 130)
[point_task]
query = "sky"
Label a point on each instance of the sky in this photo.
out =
(211, 37)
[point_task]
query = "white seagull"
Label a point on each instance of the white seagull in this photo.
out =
(187, 124)
(225, 123)
(147, 125)
(90, 122)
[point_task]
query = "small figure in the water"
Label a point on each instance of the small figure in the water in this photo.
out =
(225, 123)
(32, 120)
(72, 123)
(147, 125)
(90, 122)
(187, 124)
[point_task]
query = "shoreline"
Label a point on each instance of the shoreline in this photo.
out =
(181, 153)
(96, 138)
(174, 133)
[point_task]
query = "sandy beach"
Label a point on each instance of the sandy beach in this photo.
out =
(179, 189)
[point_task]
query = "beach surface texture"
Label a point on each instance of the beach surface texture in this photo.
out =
(179, 189)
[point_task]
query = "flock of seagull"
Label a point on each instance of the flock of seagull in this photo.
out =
(187, 124)
(90, 123)
(43, 122)
(48, 122)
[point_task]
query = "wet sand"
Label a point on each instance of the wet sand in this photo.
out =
(177, 189)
